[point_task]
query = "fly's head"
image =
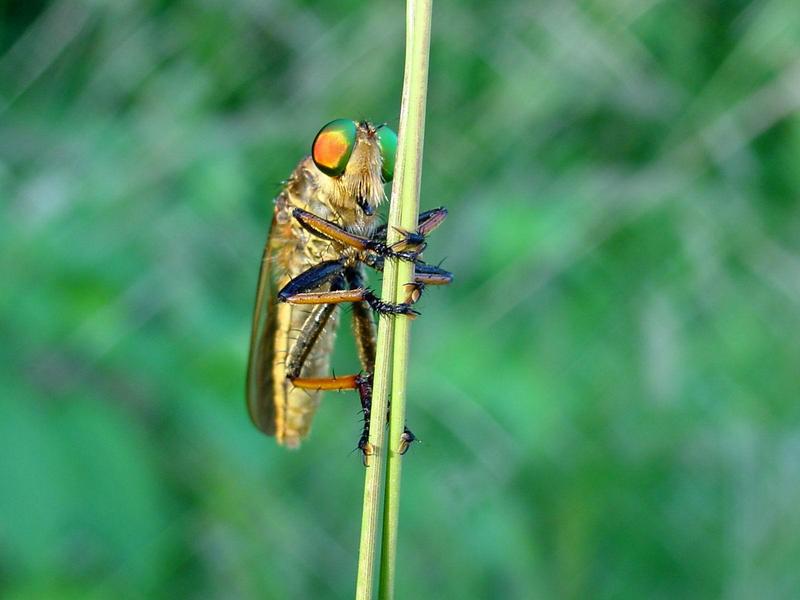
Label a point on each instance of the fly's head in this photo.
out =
(354, 160)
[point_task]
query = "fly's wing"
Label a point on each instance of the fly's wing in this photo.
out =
(260, 384)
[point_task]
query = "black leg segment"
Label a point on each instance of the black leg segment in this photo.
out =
(311, 279)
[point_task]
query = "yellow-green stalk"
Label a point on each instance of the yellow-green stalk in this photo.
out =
(393, 333)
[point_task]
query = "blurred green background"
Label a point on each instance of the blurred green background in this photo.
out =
(607, 396)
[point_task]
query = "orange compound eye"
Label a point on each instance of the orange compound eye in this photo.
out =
(333, 146)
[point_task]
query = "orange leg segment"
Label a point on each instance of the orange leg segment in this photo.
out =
(330, 231)
(362, 383)
(346, 382)
(354, 295)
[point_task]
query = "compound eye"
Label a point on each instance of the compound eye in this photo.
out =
(387, 140)
(333, 146)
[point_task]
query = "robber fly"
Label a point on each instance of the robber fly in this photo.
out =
(324, 232)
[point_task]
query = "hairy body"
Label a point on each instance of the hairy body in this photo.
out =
(324, 231)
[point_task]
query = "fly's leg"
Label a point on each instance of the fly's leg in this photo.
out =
(311, 279)
(309, 334)
(426, 222)
(424, 275)
(432, 275)
(327, 230)
(414, 241)
(356, 295)
(364, 333)
(366, 343)
(362, 383)
(363, 323)
(406, 439)
(297, 291)
(306, 338)
(318, 275)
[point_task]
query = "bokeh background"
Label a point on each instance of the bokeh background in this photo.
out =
(607, 396)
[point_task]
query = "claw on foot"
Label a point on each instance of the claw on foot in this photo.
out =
(406, 439)
(413, 291)
(411, 241)
(367, 450)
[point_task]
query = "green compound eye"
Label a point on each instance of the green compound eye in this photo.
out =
(387, 140)
(333, 146)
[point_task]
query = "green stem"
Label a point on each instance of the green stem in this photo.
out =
(374, 471)
(403, 212)
(404, 217)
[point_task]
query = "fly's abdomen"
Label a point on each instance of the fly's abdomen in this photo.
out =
(297, 250)
(295, 407)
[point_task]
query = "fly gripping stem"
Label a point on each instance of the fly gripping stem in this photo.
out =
(364, 386)
(388, 308)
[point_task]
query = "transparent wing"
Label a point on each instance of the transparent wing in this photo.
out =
(260, 384)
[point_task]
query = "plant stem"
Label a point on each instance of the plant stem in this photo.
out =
(406, 190)
(374, 471)
(403, 213)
